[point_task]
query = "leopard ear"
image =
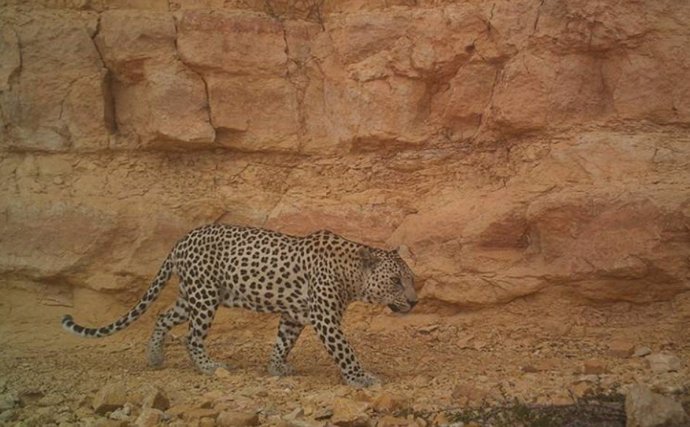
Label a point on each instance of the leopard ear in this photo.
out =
(369, 260)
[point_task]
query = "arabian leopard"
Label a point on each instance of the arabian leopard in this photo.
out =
(308, 280)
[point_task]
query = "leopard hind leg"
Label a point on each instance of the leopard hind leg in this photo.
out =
(288, 332)
(166, 321)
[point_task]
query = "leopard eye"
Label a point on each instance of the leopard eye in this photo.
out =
(398, 283)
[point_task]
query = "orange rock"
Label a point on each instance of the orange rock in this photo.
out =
(594, 367)
(621, 349)
(109, 398)
(386, 402)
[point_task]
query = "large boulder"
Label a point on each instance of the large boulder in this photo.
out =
(644, 408)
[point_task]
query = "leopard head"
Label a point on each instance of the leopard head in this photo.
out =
(387, 279)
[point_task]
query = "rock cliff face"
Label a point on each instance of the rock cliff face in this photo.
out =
(517, 147)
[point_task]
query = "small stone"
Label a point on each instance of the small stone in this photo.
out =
(440, 419)
(560, 400)
(31, 395)
(109, 398)
(387, 403)
(644, 408)
(294, 419)
(65, 418)
(479, 345)
(7, 415)
(37, 419)
(663, 362)
(362, 395)
(121, 414)
(467, 394)
(349, 413)
(296, 413)
(50, 400)
(427, 329)
(594, 367)
(580, 389)
(586, 379)
(542, 365)
(149, 417)
(237, 419)
(198, 413)
(155, 398)
(222, 373)
(8, 401)
(391, 421)
(207, 422)
(622, 349)
(105, 422)
(642, 351)
(300, 422)
(323, 413)
(178, 410)
(214, 395)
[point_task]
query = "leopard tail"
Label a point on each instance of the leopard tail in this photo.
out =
(133, 314)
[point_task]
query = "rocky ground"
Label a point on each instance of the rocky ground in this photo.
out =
(522, 364)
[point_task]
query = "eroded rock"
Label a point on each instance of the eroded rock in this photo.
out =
(237, 419)
(645, 408)
(622, 349)
(350, 413)
(594, 367)
(641, 351)
(8, 401)
(109, 398)
(663, 362)
(154, 397)
(387, 402)
(149, 417)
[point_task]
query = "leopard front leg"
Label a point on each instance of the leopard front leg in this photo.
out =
(327, 326)
(288, 332)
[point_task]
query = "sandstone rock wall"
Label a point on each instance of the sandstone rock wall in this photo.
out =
(515, 146)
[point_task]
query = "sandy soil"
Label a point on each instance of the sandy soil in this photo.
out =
(531, 351)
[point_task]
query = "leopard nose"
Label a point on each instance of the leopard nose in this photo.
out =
(412, 303)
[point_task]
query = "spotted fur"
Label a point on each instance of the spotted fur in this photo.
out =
(308, 280)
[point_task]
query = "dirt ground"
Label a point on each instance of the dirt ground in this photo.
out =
(437, 367)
